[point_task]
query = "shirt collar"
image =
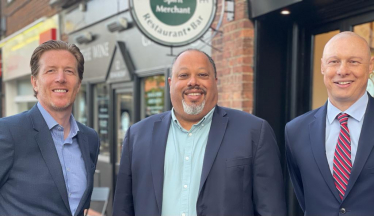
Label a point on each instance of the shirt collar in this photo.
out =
(356, 110)
(51, 122)
(207, 118)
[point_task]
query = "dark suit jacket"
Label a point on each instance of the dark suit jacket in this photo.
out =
(31, 178)
(241, 172)
(310, 173)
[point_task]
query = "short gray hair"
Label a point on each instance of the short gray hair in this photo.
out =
(210, 59)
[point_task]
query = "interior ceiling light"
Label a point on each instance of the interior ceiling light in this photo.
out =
(285, 12)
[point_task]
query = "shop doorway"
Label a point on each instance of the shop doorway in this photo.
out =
(113, 113)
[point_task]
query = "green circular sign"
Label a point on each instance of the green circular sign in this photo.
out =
(173, 22)
(173, 12)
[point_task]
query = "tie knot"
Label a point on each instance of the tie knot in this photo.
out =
(343, 118)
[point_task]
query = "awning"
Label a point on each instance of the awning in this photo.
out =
(261, 7)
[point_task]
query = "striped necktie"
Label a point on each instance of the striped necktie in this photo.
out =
(342, 158)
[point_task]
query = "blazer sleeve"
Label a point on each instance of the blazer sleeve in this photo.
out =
(268, 188)
(294, 172)
(6, 153)
(123, 204)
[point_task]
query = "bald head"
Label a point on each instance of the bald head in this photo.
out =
(348, 36)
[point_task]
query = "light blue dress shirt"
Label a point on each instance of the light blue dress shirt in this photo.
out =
(356, 113)
(184, 159)
(70, 157)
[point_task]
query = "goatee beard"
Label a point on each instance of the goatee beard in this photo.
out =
(193, 109)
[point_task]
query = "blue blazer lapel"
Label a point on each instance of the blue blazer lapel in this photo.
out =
(83, 145)
(159, 138)
(365, 145)
(215, 137)
(317, 131)
(48, 150)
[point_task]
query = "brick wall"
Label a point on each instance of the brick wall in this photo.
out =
(234, 61)
(20, 13)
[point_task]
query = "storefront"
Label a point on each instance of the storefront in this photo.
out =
(16, 53)
(124, 81)
(291, 34)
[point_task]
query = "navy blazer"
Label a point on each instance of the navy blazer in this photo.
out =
(310, 172)
(31, 178)
(241, 172)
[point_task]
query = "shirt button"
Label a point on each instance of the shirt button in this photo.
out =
(342, 210)
(69, 194)
(187, 158)
(190, 134)
(202, 125)
(185, 186)
(183, 214)
(68, 169)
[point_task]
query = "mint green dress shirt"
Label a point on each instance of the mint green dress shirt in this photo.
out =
(184, 159)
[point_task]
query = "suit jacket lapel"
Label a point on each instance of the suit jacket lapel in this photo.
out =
(216, 133)
(365, 144)
(317, 131)
(159, 138)
(83, 145)
(48, 150)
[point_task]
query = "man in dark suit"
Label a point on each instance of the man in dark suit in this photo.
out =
(199, 158)
(47, 158)
(330, 150)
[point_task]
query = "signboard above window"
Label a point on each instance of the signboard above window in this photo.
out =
(173, 22)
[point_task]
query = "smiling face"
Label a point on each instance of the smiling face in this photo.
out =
(57, 82)
(346, 65)
(193, 86)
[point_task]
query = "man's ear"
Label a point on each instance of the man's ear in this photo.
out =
(34, 83)
(371, 65)
(169, 80)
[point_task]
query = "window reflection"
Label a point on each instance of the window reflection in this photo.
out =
(153, 91)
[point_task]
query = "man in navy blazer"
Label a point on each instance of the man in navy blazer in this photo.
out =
(330, 150)
(199, 158)
(47, 159)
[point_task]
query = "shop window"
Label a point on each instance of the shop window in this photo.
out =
(80, 106)
(366, 31)
(101, 119)
(153, 90)
(25, 99)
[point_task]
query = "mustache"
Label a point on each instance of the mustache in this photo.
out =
(194, 88)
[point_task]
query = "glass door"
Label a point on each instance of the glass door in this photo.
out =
(123, 120)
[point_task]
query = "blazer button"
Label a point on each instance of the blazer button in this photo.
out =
(342, 210)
